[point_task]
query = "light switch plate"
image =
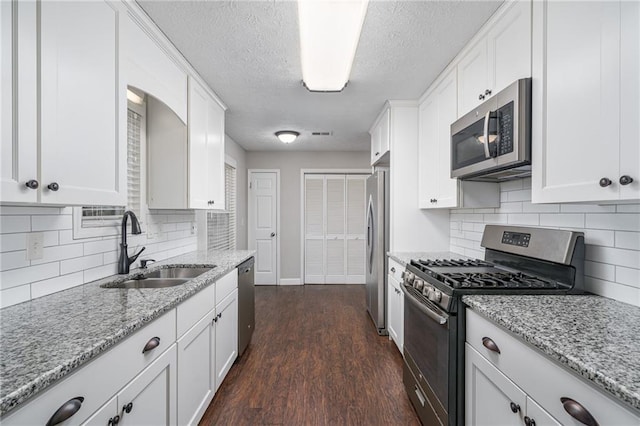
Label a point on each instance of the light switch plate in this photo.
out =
(35, 244)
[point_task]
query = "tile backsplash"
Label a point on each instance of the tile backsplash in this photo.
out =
(612, 235)
(68, 262)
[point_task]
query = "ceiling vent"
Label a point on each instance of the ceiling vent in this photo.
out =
(321, 133)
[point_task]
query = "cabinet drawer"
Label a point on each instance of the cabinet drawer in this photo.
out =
(191, 310)
(395, 269)
(544, 380)
(226, 284)
(101, 378)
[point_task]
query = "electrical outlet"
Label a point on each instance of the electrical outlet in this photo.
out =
(193, 228)
(35, 245)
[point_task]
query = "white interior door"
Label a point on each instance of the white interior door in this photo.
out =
(314, 241)
(355, 257)
(263, 214)
(335, 234)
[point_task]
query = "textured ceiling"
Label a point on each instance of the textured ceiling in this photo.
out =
(248, 52)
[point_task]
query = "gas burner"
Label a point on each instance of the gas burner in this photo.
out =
(431, 263)
(495, 280)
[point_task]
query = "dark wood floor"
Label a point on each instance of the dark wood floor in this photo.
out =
(315, 359)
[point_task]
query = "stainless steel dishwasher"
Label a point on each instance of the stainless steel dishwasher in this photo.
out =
(246, 304)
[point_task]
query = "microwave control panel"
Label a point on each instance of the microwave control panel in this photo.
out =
(505, 114)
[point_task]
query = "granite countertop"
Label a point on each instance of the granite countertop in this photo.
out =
(47, 338)
(596, 337)
(405, 257)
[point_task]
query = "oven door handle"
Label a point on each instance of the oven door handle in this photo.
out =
(437, 317)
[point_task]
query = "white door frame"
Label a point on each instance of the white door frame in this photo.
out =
(250, 206)
(304, 172)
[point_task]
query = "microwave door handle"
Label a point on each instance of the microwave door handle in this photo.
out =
(485, 142)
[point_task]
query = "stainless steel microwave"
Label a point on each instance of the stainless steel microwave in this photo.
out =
(493, 142)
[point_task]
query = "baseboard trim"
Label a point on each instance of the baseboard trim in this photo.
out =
(290, 281)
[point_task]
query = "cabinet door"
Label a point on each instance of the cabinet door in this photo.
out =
(82, 105)
(473, 78)
(428, 151)
(576, 101)
(106, 415)
(226, 336)
(539, 415)
(392, 314)
(198, 153)
(400, 315)
(195, 380)
(18, 101)
(151, 395)
(215, 156)
(490, 395)
(375, 144)
(509, 46)
(385, 132)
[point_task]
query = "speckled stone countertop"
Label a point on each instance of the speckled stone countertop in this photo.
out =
(596, 337)
(405, 257)
(47, 338)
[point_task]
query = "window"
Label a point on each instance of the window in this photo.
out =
(221, 224)
(92, 221)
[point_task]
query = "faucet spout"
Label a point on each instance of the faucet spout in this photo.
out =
(124, 261)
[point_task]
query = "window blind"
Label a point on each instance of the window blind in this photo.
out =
(221, 225)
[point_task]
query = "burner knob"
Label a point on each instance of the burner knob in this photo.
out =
(410, 277)
(418, 284)
(403, 274)
(428, 290)
(435, 295)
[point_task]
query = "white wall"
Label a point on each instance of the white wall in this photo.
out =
(68, 262)
(235, 151)
(612, 235)
(290, 164)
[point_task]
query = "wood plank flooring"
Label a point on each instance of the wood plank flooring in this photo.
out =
(315, 359)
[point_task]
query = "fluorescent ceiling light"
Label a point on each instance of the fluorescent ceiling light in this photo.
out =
(287, 136)
(134, 97)
(329, 34)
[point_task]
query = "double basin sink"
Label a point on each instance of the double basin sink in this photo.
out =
(161, 278)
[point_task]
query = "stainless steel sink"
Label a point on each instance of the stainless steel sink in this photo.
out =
(177, 273)
(149, 283)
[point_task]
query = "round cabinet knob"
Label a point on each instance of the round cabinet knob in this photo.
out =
(514, 407)
(487, 92)
(32, 184)
(528, 421)
(481, 97)
(127, 408)
(604, 182)
(53, 186)
(273, 234)
(625, 180)
(393, 269)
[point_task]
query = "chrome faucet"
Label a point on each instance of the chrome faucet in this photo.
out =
(125, 261)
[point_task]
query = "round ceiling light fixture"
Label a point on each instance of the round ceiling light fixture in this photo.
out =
(287, 136)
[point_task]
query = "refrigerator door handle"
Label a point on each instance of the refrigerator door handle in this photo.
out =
(370, 234)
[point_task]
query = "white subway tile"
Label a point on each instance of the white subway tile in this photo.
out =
(477, 254)
(587, 208)
(528, 207)
(628, 240)
(184, 226)
(50, 223)
(628, 208)
(457, 249)
(454, 225)
(618, 222)
(515, 207)
(28, 210)
(69, 210)
(479, 227)
(15, 295)
(562, 220)
(511, 185)
(523, 219)
(16, 277)
(14, 224)
(612, 290)
(456, 234)
(79, 264)
(472, 217)
(628, 276)
(100, 272)
(467, 226)
(166, 227)
(54, 285)
(600, 270)
(52, 254)
(598, 237)
(522, 195)
(100, 246)
(614, 256)
(473, 236)
(66, 237)
(496, 218)
(526, 183)
(13, 242)
(13, 260)
(110, 257)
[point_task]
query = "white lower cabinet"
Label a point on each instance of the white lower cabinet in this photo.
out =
(195, 382)
(501, 369)
(395, 304)
(226, 336)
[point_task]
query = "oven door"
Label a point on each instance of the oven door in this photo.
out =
(429, 340)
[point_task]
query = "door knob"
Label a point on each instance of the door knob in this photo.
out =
(625, 180)
(32, 184)
(273, 234)
(53, 186)
(604, 182)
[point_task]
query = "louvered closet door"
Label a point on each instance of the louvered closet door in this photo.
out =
(335, 235)
(355, 229)
(314, 201)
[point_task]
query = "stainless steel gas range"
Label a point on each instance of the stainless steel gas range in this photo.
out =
(518, 260)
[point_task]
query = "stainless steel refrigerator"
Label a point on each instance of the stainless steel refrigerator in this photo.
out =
(377, 246)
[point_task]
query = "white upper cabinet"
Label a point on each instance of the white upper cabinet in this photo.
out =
(586, 86)
(436, 188)
(70, 97)
(498, 56)
(381, 136)
(148, 67)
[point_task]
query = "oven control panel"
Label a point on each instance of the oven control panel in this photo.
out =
(520, 239)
